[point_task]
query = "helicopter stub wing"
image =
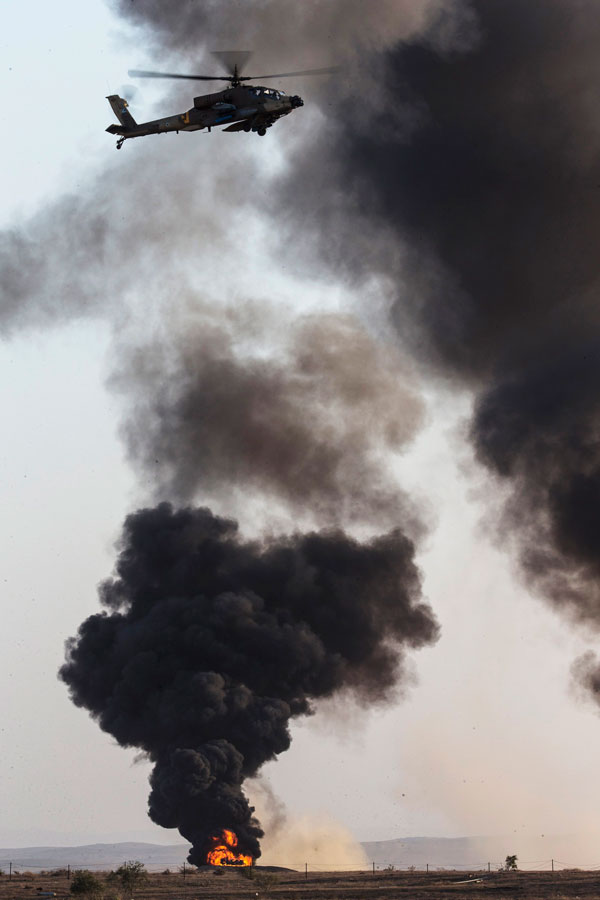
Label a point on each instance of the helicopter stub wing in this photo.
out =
(237, 126)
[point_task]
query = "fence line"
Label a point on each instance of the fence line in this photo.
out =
(20, 867)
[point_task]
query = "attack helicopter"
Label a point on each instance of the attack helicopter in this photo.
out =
(241, 107)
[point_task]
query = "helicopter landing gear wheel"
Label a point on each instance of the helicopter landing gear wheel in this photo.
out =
(247, 127)
(119, 144)
(262, 132)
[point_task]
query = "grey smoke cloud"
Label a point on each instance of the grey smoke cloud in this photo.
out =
(280, 29)
(88, 253)
(310, 422)
(585, 673)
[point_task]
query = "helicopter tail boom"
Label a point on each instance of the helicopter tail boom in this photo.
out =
(120, 110)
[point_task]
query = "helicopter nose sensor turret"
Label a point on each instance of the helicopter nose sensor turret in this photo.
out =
(296, 101)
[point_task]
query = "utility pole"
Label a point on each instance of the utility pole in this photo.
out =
(553, 865)
(373, 868)
(10, 871)
(489, 867)
(69, 872)
(184, 871)
(427, 868)
(306, 871)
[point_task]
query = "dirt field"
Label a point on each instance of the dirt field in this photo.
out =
(285, 885)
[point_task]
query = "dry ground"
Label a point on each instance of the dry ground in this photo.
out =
(285, 885)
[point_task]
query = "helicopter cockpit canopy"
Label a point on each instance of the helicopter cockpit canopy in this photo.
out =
(266, 93)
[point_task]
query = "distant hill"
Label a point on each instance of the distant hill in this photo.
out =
(448, 853)
(420, 852)
(534, 852)
(95, 856)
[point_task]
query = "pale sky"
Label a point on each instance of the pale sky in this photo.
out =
(489, 739)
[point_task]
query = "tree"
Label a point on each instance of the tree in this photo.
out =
(132, 874)
(85, 883)
(510, 863)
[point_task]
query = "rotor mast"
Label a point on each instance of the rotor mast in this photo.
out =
(235, 77)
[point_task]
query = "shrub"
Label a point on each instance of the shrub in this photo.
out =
(265, 881)
(132, 874)
(84, 883)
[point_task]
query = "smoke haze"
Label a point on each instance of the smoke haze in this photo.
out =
(295, 841)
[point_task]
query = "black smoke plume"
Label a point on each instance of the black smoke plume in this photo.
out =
(476, 185)
(209, 645)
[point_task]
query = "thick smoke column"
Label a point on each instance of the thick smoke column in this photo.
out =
(209, 645)
(476, 183)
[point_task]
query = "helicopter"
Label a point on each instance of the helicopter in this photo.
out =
(241, 107)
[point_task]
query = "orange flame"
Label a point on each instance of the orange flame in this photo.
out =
(223, 852)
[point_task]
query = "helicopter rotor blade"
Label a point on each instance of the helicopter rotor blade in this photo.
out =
(142, 73)
(328, 71)
(139, 73)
